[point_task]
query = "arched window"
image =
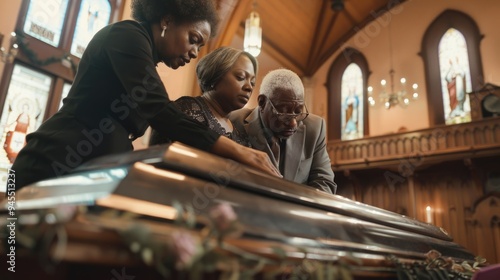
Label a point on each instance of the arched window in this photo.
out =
(352, 105)
(346, 86)
(453, 67)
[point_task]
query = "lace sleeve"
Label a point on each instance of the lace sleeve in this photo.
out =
(192, 107)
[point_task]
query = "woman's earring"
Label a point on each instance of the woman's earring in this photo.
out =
(163, 31)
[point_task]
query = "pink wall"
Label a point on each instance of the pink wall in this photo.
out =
(8, 16)
(408, 26)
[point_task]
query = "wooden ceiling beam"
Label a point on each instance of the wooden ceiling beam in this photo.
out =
(231, 13)
(350, 33)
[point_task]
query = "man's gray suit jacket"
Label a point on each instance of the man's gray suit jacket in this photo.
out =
(306, 160)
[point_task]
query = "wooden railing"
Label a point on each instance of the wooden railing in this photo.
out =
(446, 142)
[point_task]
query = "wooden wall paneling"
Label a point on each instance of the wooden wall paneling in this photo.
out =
(446, 191)
(453, 210)
(404, 201)
(496, 134)
(388, 198)
(488, 135)
(367, 197)
(486, 222)
(496, 240)
(373, 195)
(472, 236)
(410, 197)
(478, 176)
(377, 196)
(460, 200)
(469, 195)
(439, 214)
(420, 201)
(479, 245)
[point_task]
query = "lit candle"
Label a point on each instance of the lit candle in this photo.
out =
(428, 214)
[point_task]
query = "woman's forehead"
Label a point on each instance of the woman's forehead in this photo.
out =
(201, 26)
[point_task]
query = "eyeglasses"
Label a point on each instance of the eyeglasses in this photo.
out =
(285, 117)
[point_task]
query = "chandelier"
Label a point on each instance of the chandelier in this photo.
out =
(8, 56)
(390, 98)
(253, 33)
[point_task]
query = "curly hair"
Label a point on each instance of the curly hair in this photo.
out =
(153, 11)
(212, 67)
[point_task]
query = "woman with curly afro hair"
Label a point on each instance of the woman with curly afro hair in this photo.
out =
(117, 93)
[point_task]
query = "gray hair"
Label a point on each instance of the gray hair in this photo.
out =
(212, 67)
(281, 79)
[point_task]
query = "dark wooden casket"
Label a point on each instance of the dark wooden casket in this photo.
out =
(114, 218)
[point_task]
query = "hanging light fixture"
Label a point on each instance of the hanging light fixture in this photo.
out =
(8, 56)
(253, 33)
(392, 98)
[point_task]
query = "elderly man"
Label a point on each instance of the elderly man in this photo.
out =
(282, 127)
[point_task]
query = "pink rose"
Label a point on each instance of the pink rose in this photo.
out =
(223, 216)
(184, 248)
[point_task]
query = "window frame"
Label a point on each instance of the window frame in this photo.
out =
(430, 55)
(333, 84)
(59, 72)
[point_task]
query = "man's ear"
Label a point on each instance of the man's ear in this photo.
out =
(261, 100)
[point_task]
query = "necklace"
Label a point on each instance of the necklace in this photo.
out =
(214, 106)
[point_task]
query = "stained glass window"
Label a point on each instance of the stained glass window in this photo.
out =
(93, 15)
(23, 113)
(45, 19)
(455, 77)
(352, 103)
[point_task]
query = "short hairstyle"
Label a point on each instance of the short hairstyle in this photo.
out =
(152, 11)
(281, 79)
(213, 66)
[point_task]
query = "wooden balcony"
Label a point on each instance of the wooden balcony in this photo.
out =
(480, 138)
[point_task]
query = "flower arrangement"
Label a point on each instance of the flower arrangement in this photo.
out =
(210, 254)
(436, 266)
(197, 246)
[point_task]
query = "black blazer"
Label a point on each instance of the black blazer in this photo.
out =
(117, 93)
